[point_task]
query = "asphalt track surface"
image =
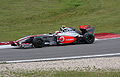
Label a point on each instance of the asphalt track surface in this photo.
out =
(99, 47)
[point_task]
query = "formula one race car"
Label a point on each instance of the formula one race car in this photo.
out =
(66, 35)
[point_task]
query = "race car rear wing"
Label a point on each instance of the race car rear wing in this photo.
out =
(87, 29)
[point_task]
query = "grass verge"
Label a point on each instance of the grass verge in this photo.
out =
(19, 18)
(60, 74)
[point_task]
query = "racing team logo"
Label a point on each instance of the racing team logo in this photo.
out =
(61, 39)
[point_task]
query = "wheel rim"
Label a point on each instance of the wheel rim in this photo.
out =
(89, 38)
(39, 43)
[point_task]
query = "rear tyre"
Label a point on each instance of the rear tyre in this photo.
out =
(38, 43)
(88, 38)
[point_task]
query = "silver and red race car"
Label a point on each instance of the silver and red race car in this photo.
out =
(66, 35)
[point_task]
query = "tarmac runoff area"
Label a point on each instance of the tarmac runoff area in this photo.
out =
(90, 64)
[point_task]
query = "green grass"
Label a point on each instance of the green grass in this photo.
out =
(19, 18)
(60, 74)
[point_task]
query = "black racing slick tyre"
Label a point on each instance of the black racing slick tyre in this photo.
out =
(88, 38)
(38, 43)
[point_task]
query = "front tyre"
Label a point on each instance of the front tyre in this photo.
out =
(88, 38)
(38, 43)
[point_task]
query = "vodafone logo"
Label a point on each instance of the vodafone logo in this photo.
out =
(61, 39)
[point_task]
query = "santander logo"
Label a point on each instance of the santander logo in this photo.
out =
(69, 39)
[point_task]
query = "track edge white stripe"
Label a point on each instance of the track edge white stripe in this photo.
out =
(62, 58)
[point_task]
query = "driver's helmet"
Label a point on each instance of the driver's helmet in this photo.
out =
(66, 29)
(62, 27)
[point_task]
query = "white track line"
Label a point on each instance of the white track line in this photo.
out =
(7, 46)
(61, 58)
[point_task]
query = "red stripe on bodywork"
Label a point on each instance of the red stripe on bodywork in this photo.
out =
(28, 37)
